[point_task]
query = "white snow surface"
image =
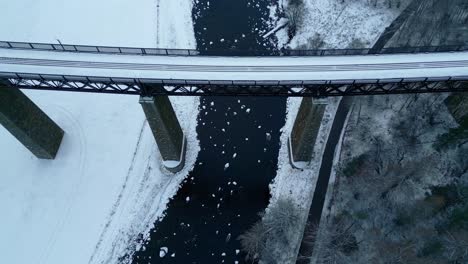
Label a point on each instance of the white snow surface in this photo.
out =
(299, 185)
(236, 68)
(139, 23)
(339, 22)
(107, 183)
(105, 186)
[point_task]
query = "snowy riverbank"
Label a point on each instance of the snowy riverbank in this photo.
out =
(106, 185)
(332, 24)
(299, 185)
(336, 24)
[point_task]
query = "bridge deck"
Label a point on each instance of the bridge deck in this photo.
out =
(450, 64)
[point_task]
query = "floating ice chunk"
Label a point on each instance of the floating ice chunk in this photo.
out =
(163, 252)
(226, 165)
(237, 252)
(234, 155)
(248, 110)
(187, 199)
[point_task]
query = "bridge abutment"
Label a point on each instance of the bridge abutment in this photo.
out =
(167, 131)
(301, 142)
(28, 123)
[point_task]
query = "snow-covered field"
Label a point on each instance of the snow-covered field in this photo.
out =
(106, 185)
(140, 23)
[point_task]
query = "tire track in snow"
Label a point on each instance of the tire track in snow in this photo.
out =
(158, 23)
(73, 194)
(117, 204)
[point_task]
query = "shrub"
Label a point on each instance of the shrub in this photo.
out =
(403, 218)
(459, 218)
(357, 44)
(266, 238)
(431, 248)
(452, 137)
(353, 166)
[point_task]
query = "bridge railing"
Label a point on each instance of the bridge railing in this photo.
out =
(225, 52)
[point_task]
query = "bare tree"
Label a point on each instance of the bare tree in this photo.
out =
(295, 15)
(456, 246)
(332, 243)
(274, 232)
(253, 241)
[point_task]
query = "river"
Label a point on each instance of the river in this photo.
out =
(239, 139)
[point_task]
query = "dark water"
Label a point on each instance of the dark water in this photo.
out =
(215, 205)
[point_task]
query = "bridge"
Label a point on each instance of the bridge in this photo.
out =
(152, 72)
(155, 74)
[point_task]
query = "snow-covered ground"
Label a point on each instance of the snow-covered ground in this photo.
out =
(295, 184)
(140, 23)
(106, 185)
(339, 23)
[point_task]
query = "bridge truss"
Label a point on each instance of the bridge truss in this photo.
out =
(153, 87)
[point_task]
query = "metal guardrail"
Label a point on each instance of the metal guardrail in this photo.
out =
(225, 52)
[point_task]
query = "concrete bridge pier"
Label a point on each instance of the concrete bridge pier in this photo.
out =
(166, 130)
(28, 123)
(301, 142)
